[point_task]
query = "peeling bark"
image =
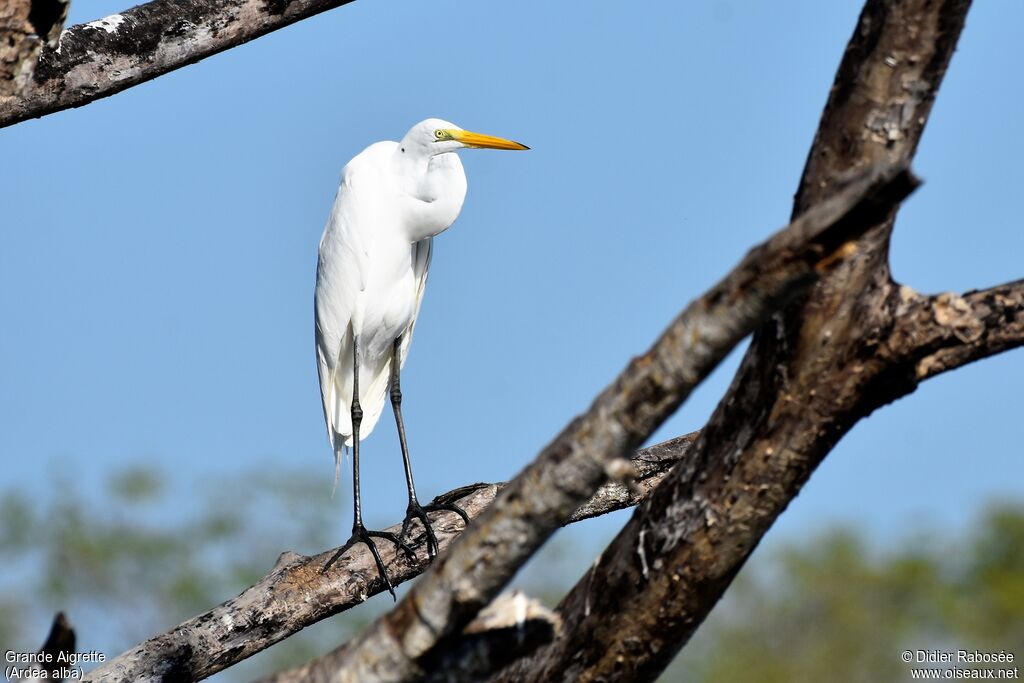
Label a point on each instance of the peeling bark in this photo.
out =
(104, 57)
(570, 469)
(943, 332)
(26, 26)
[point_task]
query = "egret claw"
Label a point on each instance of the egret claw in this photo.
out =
(361, 535)
(450, 507)
(416, 511)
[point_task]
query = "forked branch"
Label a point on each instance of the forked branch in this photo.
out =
(809, 375)
(569, 470)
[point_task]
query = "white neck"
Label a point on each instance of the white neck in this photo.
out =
(433, 194)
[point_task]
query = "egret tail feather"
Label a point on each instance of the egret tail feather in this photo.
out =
(340, 450)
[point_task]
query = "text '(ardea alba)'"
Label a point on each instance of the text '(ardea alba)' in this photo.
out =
(393, 199)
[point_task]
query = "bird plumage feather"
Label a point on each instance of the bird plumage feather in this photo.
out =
(370, 283)
(374, 259)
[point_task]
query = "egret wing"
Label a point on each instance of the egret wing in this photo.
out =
(421, 252)
(340, 276)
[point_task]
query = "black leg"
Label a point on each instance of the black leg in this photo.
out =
(359, 532)
(415, 510)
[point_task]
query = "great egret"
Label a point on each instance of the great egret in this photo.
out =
(393, 199)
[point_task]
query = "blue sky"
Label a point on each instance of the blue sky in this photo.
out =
(158, 248)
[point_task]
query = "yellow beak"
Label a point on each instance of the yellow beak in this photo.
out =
(470, 139)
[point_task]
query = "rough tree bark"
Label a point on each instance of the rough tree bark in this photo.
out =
(296, 594)
(104, 57)
(400, 645)
(857, 342)
(507, 629)
(26, 26)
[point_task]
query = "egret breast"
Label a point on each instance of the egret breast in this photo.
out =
(389, 300)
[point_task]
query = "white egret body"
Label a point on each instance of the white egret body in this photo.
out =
(393, 199)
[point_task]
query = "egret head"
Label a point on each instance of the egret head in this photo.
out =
(436, 136)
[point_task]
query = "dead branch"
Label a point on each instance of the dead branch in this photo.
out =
(808, 377)
(580, 459)
(506, 630)
(940, 333)
(60, 641)
(104, 57)
(26, 26)
(295, 593)
(509, 628)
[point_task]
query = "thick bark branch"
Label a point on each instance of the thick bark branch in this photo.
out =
(935, 334)
(509, 628)
(104, 57)
(808, 376)
(506, 630)
(581, 458)
(295, 593)
(26, 26)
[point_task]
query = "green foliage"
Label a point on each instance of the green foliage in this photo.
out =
(835, 609)
(122, 572)
(830, 608)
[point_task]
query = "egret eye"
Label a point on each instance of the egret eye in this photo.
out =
(439, 134)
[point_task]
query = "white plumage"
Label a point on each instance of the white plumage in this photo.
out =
(393, 199)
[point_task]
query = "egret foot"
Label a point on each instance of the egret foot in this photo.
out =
(450, 507)
(446, 501)
(361, 535)
(417, 511)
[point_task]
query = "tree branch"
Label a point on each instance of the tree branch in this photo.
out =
(104, 57)
(25, 27)
(509, 628)
(808, 377)
(295, 593)
(60, 641)
(571, 468)
(506, 630)
(935, 334)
